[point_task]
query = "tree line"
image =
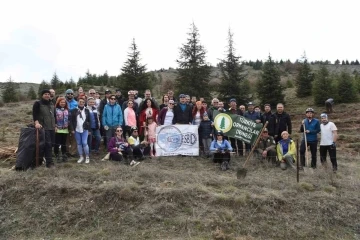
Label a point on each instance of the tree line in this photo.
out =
(193, 76)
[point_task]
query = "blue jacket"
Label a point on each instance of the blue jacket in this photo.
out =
(225, 145)
(72, 104)
(313, 127)
(112, 116)
(252, 115)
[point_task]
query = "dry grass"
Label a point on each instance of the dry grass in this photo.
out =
(178, 198)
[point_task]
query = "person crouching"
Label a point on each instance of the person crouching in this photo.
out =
(221, 149)
(120, 149)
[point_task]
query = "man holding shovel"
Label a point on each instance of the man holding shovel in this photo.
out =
(310, 126)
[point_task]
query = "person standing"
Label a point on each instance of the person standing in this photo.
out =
(206, 134)
(80, 125)
(328, 140)
(214, 106)
(236, 144)
(94, 131)
(61, 128)
(281, 122)
(182, 111)
(165, 101)
(119, 98)
(71, 141)
(267, 116)
(166, 115)
(44, 117)
(112, 117)
(52, 96)
(312, 128)
(129, 117)
(255, 116)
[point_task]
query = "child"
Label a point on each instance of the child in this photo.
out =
(150, 134)
(206, 133)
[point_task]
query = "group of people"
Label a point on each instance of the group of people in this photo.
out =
(127, 127)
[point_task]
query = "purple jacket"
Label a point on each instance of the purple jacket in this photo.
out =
(162, 115)
(114, 143)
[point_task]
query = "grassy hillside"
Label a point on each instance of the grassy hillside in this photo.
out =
(182, 198)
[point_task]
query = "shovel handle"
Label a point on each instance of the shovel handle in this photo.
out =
(37, 148)
(256, 142)
(306, 147)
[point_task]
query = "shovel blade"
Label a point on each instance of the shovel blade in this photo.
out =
(241, 173)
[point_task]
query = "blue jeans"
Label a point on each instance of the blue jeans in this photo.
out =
(95, 133)
(81, 139)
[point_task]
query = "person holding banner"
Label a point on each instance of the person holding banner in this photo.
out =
(166, 115)
(182, 112)
(255, 116)
(221, 149)
(236, 144)
(265, 148)
(206, 133)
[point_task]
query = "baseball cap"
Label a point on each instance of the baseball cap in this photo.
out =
(232, 100)
(182, 95)
(107, 91)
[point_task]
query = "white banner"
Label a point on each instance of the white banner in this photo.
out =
(177, 139)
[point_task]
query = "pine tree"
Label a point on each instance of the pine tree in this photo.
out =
(55, 81)
(233, 76)
(322, 86)
(337, 62)
(347, 62)
(346, 88)
(134, 74)
(193, 72)
(9, 93)
(222, 123)
(268, 87)
(31, 93)
(304, 78)
(343, 62)
(43, 85)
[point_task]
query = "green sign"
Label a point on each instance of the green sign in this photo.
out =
(238, 127)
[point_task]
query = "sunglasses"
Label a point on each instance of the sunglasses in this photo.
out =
(171, 104)
(69, 94)
(119, 130)
(216, 102)
(112, 98)
(92, 93)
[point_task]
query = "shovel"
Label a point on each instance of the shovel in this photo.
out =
(241, 172)
(37, 148)
(308, 168)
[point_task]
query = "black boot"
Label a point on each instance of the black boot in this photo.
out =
(57, 157)
(64, 157)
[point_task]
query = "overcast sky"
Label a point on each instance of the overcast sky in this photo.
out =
(69, 37)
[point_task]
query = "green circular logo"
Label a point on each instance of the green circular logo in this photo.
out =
(223, 122)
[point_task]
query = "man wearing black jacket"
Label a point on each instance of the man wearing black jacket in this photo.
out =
(268, 116)
(281, 122)
(182, 112)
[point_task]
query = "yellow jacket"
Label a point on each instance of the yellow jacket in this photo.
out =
(291, 150)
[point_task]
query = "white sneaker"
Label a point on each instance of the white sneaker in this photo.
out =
(87, 160)
(81, 159)
(134, 163)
